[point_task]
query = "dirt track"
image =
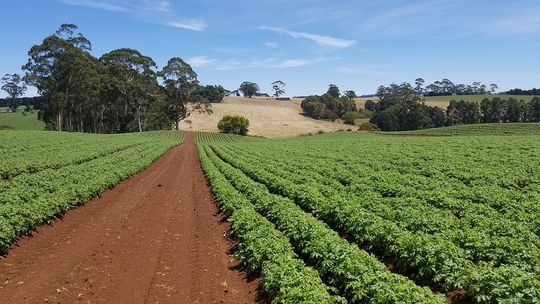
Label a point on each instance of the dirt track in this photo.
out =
(154, 238)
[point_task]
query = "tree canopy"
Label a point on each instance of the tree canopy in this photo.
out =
(249, 89)
(119, 92)
(279, 88)
(13, 85)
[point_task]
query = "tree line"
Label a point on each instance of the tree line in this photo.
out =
(331, 105)
(401, 107)
(446, 87)
(494, 110)
(121, 91)
(250, 89)
(533, 91)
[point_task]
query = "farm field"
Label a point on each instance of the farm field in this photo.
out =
(386, 219)
(478, 129)
(20, 120)
(156, 237)
(43, 174)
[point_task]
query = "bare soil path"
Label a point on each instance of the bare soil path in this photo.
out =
(154, 238)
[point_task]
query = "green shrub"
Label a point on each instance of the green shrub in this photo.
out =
(233, 124)
(368, 126)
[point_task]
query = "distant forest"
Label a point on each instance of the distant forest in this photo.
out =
(522, 92)
(22, 101)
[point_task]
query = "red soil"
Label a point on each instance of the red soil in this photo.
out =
(154, 238)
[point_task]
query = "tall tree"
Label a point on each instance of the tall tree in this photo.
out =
(419, 90)
(249, 89)
(279, 88)
(350, 94)
(130, 86)
(333, 91)
(15, 87)
(67, 32)
(57, 67)
(493, 88)
(180, 86)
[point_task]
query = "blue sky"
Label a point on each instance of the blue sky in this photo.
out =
(308, 44)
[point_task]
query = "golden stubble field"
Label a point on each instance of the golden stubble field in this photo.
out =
(267, 117)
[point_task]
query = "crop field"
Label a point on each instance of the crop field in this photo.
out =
(43, 174)
(20, 121)
(478, 129)
(370, 218)
(212, 137)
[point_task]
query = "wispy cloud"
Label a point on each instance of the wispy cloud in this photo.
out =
(102, 5)
(319, 39)
(268, 63)
(271, 45)
(414, 18)
(189, 24)
(155, 11)
(517, 23)
(200, 61)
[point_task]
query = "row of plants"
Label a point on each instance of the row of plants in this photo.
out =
(30, 199)
(490, 238)
(207, 137)
(33, 151)
(358, 276)
(265, 250)
(427, 256)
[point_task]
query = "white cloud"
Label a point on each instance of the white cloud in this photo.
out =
(271, 45)
(319, 39)
(155, 11)
(524, 22)
(189, 24)
(268, 63)
(200, 61)
(291, 63)
(98, 4)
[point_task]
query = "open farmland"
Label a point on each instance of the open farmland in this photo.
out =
(20, 120)
(477, 129)
(385, 219)
(44, 174)
(268, 117)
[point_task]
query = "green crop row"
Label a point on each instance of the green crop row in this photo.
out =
(359, 277)
(486, 238)
(213, 137)
(30, 152)
(265, 250)
(426, 255)
(30, 199)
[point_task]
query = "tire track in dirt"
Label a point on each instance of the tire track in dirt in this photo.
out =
(154, 238)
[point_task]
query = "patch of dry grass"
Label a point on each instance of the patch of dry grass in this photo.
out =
(267, 117)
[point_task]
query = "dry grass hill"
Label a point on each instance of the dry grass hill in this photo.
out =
(267, 117)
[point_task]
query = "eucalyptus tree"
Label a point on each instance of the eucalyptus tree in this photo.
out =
(180, 86)
(350, 94)
(333, 91)
(59, 67)
(279, 88)
(249, 89)
(129, 86)
(15, 87)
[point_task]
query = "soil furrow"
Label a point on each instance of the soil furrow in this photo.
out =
(154, 238)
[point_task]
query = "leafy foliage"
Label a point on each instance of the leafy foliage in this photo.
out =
(481, 234)
(249, 89)
(233, 124)
(327, 106)
(50, 173)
